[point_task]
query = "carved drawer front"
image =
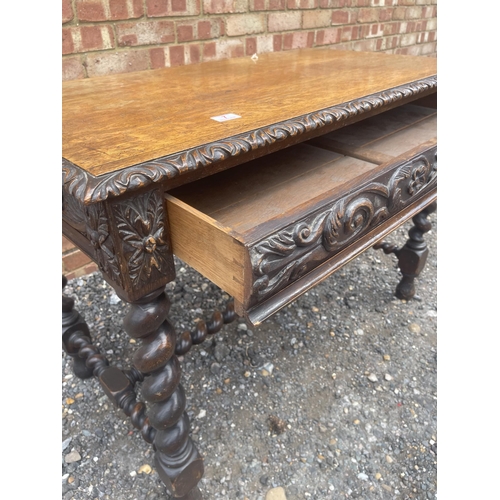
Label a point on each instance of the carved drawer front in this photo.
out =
(268, 230)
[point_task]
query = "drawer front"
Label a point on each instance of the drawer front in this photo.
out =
(289, 254)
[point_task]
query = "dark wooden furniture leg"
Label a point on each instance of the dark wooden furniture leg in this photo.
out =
(413, 255)
(177, 460)
(74, 328)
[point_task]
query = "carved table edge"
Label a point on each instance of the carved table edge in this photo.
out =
(88, 189)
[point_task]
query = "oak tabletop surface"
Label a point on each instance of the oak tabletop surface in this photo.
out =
(117, 121)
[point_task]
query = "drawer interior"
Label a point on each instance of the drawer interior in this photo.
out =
(215, 220)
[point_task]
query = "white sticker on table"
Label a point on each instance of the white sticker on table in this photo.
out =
(225, 118)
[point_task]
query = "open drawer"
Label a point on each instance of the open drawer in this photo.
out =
(270, 229)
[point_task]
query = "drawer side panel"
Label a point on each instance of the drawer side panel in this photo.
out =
(208, 247)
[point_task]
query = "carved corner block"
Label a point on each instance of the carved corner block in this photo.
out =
(128, 238)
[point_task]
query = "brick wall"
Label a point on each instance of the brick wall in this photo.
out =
(101, 37)
(74, 262)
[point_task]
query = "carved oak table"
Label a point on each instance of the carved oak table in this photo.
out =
(265, 174)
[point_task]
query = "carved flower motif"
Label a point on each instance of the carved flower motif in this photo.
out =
(141, 226)
(417, 180)
(147, 247)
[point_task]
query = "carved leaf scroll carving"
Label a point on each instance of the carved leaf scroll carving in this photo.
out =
(141, 225)
(97, 232)
(289, 254)
(91, 189)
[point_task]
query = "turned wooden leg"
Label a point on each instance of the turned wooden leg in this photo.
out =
(177, 460)
(413, 256)
(74, 326)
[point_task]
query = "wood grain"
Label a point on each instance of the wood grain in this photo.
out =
(212, 249)
(117, 121)
(380, 138)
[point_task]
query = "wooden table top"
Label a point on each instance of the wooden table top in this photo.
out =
(118, 121)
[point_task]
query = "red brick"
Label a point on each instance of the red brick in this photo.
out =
(226, 49)
(185, 33)
(157, 57)
(199, 30)
(194, 53)
(350, 33)
(340, 17)
(81, 271)
(179, 5)
(90, 10)
(277, 42)
(176, 54)
(374, 30)
(428, 12)
(257, 5)
(67, 11)
(208, 51)
(298, 40)
(108, 10)
(72, 68)
(368, 15)
(160, 8)
(224, 6)
(67, 41)
(385, 14)
(108, 63)
(245, 24)
(180, 55)
(250, 46)
(316, 19)
(119, 9)
(74, 260)
(145, 33)
(91, 38)
(419, 25)
(276, 5)
(86, 38)
(67, 245)
(391, 28)
(302, 4)
(284, 21)
(328, 36)
(399, 13)
(204, 30)
(90, 268)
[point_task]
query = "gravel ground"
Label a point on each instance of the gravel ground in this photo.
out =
(347, 369)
